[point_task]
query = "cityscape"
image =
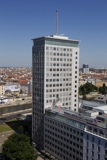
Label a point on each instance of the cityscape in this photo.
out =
(53, 88)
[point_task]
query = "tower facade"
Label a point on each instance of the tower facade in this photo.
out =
(85, 68)
(55, 78)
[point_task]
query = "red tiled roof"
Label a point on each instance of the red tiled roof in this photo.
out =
(23, 81)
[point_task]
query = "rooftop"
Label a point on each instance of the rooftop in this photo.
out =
(60, 37)
(68, 116)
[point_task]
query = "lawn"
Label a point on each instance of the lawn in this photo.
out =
(17, 125)
(4, 127)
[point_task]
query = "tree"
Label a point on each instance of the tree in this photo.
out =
(18, 147)
(84, 96)
(21, 91)
(103, 89)
(87, 88)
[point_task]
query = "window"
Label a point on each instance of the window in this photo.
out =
(98, 149)
(105, 144)
(92, 153)
(106, 152)
(98, 156)
(47, 48)
(92, 139)
(87, 136)
(92, 146)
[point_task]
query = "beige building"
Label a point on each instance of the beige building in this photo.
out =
(2, 89)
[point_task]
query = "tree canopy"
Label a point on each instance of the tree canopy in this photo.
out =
(87, 88)
(103, 89)
(18, 147)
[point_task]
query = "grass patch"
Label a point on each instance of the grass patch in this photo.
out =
(15, 123)
(20, 126)
(4, 127)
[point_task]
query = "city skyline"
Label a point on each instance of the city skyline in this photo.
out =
(23, 20)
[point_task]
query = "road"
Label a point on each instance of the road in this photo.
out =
(5, 118)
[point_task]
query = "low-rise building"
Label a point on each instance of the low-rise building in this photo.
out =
(101, 99)
(2, 89)
(12, 88)
(26, 87)
(79, 136)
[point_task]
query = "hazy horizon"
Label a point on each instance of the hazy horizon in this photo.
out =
(23, 20)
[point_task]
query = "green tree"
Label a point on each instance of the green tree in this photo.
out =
(103, 89)
(18, 147)
(87, 88)
(84, 96)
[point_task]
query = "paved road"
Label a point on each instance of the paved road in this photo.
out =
(5, 118)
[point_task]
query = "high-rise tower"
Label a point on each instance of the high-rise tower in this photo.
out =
(55, 76)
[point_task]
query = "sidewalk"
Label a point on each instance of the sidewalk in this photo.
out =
(39, 158)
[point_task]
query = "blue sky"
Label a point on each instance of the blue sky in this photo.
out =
(22, 20)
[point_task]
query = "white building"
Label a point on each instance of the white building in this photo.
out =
(12, 88)
(55, 76)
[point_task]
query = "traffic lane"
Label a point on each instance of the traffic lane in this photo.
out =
(3, 120)
(7, 118)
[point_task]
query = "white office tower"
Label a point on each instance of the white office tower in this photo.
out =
(55, 77)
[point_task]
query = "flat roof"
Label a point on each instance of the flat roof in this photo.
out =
(57, 37)
(92, 103)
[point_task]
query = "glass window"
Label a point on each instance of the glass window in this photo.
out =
(105, 144)
(98, 149)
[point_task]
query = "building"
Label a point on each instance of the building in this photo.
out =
(2, 89)
(12, 88)
(55, 78)
(70, 135)
(26, 87)
(92, 106)
(85, 68)
(101, 99)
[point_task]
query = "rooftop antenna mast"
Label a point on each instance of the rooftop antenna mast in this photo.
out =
(56, 22)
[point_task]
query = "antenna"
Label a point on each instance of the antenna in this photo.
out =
(56, 22)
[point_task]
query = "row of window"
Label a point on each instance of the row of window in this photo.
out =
(59, 49)
(58, 54)
(53, 123)
(60, 90)
(97, 131)
(74, 132)
(62, 155)
(58, 59)
(59, 69)
(57, 85)
(62, 142)
(66, 96)
(61, 79)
